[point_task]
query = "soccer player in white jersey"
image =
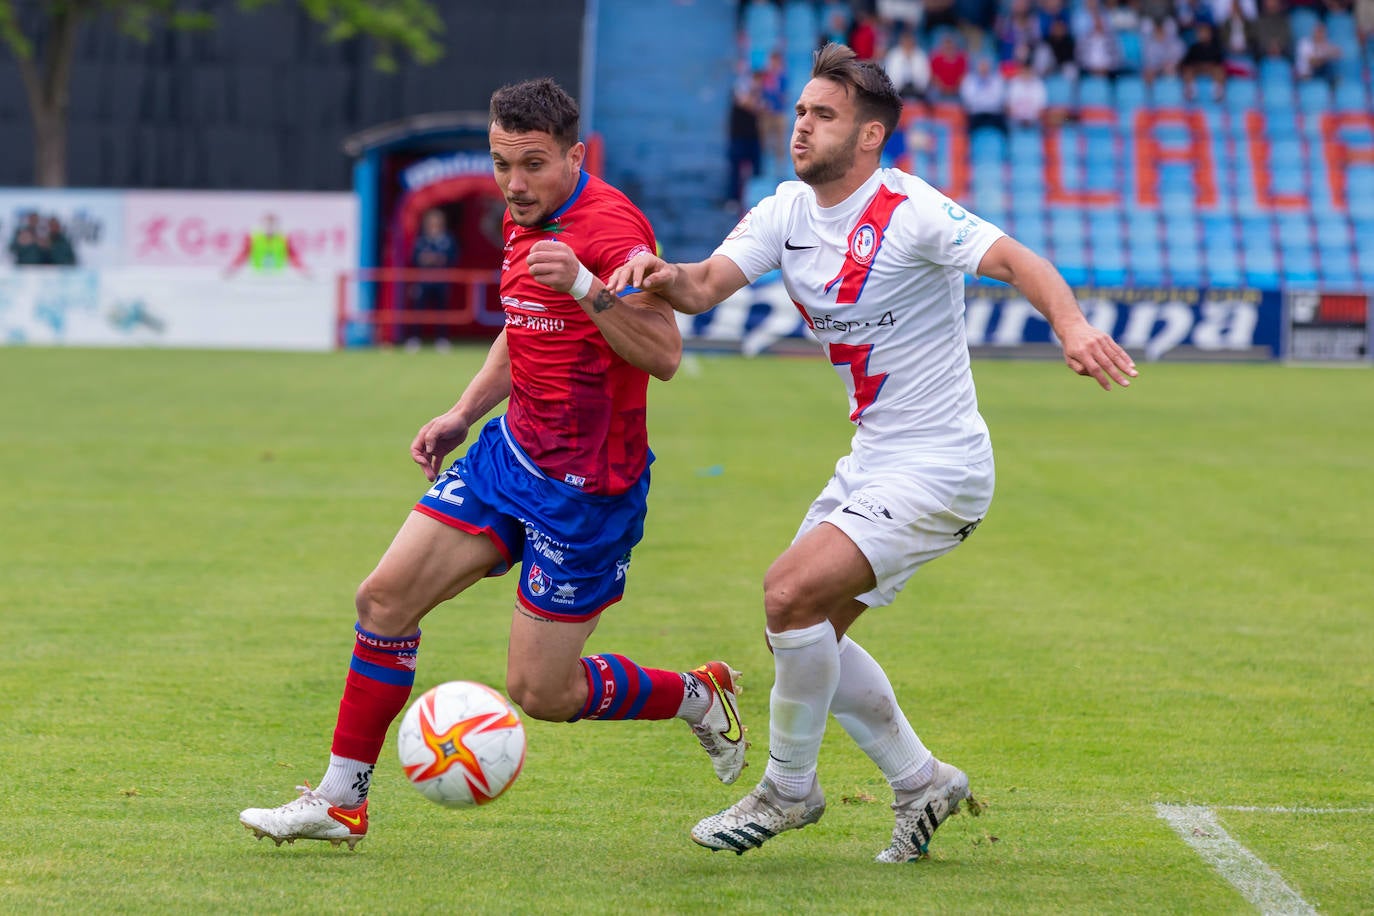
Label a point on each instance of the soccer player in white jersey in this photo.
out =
(875, 260)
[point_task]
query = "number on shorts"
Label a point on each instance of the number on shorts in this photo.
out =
(448, 492)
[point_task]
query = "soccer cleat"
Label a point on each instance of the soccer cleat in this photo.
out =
(719, 730)
(759, 816)
(919, 813)
(310, 817)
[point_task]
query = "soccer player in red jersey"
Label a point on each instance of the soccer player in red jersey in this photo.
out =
(557, 484)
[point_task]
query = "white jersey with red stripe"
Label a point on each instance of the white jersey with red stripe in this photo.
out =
(879, 279)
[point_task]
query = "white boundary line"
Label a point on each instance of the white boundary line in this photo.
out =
(1278, 810)
(1256, 881)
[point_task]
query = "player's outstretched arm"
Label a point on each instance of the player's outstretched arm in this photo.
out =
(1087, 350)
(489, 387)
(690, 288)
(640, 327)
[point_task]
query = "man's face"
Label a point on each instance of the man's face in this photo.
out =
(826, 133)
(534, 174)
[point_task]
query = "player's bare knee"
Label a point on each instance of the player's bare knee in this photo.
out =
(786, 605)
(541, 703)
(380, 612)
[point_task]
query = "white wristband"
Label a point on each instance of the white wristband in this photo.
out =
(582, 285)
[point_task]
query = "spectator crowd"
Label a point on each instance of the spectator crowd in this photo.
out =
(994, 57)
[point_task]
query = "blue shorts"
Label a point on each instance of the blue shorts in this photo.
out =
(574, 547)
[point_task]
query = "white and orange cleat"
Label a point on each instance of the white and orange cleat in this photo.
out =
(310, 817)
(720, 731)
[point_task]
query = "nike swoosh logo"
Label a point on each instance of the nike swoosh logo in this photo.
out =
(790, 247)
(352, 820)
(733, 732)
(859, 514)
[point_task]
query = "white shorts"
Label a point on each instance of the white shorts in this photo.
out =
(902, 518)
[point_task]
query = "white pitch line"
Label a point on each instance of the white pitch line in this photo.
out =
(1280, 810)
(1248, 873)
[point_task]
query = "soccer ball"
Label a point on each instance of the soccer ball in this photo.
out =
(461, 744)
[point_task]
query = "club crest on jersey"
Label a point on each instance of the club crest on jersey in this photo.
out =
(864, 244)
(537, 581)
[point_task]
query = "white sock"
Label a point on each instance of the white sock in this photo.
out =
(866, 707)
(807, 666)
(346, 782)
(696, 698)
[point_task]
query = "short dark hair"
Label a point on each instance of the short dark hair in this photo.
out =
(536, 105)
(875, 97)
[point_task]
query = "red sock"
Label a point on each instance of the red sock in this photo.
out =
(617, 688)
(380, 678)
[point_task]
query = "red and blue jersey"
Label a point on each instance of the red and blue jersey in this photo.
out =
(576, 407)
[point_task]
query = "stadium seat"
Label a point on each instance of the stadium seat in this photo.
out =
(1059, 91)
(1026, 145)
(1147, 273)
(1241, 94)
(1350, 96)
(1095, 91)
(987, 144)
(1314, 96)
(800, 23)
(1302, 19)
(1130, 93)
(1167, 92)
(1132, 51)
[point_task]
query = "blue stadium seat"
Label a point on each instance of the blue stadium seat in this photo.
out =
(1359, 191)
(1132, 51)
(1167, 92)
(1218, 228)
(1026, 145)
(1302, 19)
(1185, 268)
(1059, 91)
(1066, 228)
(1293, 228)
(1262, 271)
(1314, 96)
(1130, 93)
(1350, 96)
(1147, 267)
(1094, 90)
(987, 144)
(800, 23)
(762, 30)
(1241, 93)
(1340, 276)
(1027, 178)
(1227, 277)
(1031, 233)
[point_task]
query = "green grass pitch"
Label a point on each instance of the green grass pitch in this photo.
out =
(1170, 602)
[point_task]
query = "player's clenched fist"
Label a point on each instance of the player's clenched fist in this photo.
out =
(554, 264)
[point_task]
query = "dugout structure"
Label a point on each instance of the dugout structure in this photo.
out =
(403, 170)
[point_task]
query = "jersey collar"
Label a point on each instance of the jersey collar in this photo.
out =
(577, 192)
(854, 202)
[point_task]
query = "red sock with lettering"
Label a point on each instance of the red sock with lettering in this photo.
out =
(617, 688)
(380, 678)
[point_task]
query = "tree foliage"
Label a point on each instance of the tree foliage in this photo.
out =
(41, 37)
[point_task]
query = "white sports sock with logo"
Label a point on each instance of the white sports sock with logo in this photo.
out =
(346, 782)
(696, 697)
(807, 667)
(866, 707)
